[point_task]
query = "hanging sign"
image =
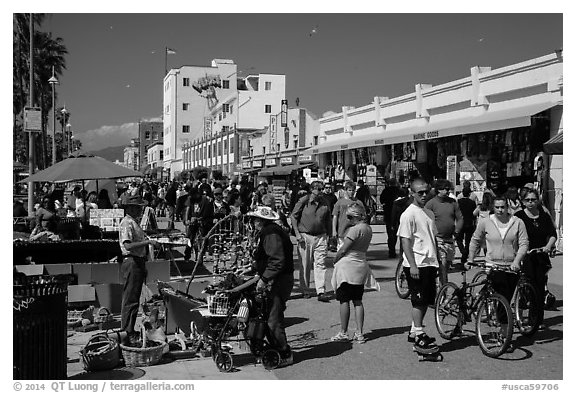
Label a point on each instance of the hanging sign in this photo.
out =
(32, 119)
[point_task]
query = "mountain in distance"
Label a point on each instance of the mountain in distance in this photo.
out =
(112, 153)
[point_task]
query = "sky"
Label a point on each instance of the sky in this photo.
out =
(115, 65)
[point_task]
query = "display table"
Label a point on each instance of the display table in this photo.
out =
(65, 251)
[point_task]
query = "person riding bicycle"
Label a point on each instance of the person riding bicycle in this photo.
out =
(541, 234)
(506, 245)
(275, 267)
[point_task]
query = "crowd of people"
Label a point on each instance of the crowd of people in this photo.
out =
(429, 222)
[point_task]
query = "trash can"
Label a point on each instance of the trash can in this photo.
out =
(40, 327)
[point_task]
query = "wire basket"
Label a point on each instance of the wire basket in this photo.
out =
(218, 304)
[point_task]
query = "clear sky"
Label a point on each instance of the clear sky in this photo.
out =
(115, 64)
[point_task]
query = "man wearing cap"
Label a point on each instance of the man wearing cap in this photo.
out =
(275, 267)
(312, 225)
(134, 246)
(221, 208)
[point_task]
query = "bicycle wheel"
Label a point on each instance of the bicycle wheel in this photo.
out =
(448, 312)
(400, 282)
(526, 309)
(494, 325)
(478, 277)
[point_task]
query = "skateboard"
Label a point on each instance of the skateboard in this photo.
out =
(429, 355)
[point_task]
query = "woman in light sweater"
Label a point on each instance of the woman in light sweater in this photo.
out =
(506, 244)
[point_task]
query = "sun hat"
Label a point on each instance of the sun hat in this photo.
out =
(529, 186)
(264, 212)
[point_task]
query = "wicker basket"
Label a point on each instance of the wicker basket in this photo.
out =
(100, 353)
(145, 356)
(103, 315)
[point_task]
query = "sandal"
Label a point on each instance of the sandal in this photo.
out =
(359, 338)
(340, 337)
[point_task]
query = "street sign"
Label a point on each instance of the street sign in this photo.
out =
(32, 119)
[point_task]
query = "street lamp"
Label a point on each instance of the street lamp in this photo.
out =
(69, 133)
(53, 82)
(63, 120)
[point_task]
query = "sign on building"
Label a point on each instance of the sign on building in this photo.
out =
(208, 127)
(32, 119)
(284, 114)
(273, 133)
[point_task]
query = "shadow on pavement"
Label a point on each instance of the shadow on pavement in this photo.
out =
(125, 373)
(385, 332)
(291, 321)
(324, 350)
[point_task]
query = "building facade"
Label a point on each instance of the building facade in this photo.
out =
(149, 132)
(206, 107)
(131, 155)
(490, 126)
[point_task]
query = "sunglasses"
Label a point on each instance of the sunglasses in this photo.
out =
(530, 199)
(423, 192)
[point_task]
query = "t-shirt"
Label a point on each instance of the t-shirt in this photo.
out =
(446, 213)
(417, 224)
(339, 211)
(361, 236)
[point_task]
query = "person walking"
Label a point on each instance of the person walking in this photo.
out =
(467, 207)
(198, 219)
(417, 232)
(275, 267)
(387, 198)
(171, 204)
(339, 220)
(352, 273)
(311, 223)
(449, 222)
(541, 234)
(134, 246)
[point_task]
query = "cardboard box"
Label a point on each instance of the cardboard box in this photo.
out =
(109, 296)
(83, 271)
(81, 293)
(30, 270)
(58, 268)
(105, 273)
(158, 270)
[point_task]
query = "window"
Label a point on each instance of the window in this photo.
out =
(264, 150)
(147, 135)
(220, 148)
(161, 155)
(214, 148)
(225, 128)
(232, 145)
(295, 143)
(185, 129)
(225, 146)
(167, 109)
(185, 106)
(155, 136)
(185, 81)
(315, 140)
(225, 84)
(231, 109)
(267, 108)
(225, 108)
(220, 117)
(268, 86)
(209, 151)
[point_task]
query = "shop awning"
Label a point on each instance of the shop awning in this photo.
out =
(555, 144)
(489, 121)
(282, 170)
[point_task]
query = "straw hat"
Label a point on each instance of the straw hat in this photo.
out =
(265, 213)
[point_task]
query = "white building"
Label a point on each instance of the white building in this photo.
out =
(491, 125)
(207, 106)
(131, 158)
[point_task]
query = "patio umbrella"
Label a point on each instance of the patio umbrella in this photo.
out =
(81, 166)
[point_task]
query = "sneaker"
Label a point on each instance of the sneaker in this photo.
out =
(411, 337)
(322, 297)
(425, 343)
(340, 337)
(359, 338)
(286, 361)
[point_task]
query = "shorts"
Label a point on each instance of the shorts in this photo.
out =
(423, 290)
(446, 250)
(347, 292)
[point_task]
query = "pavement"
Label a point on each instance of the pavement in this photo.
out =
(385, 355)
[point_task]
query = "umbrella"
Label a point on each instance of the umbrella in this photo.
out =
(81, 166)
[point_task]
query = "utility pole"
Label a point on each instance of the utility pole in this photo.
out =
(31, 145)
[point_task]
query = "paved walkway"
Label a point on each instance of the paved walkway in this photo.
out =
(386, 354)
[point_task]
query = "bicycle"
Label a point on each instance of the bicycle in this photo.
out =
(525, 302)
(456, 305)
